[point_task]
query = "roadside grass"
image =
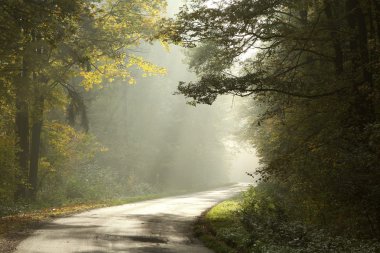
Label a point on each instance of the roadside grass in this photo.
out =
(252, 223)
(220, 228)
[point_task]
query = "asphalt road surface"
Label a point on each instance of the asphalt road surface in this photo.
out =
(155, 226)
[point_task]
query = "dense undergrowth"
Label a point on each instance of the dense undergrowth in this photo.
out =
(75, 193)
(312, 76)
(258, 222)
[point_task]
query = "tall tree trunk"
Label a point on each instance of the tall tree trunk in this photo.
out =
(377, 17)
(22, 131)
(338, 52)
(35, 145)
(363, 109)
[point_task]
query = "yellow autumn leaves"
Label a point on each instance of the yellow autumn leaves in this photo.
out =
(110, 69)
(126, 24)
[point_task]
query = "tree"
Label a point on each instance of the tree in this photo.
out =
(311, 67)
(54, 48)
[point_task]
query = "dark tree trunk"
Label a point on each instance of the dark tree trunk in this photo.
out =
(377, 17)
(338, 59)
(35, 145)
(22, 132)
(363, 111)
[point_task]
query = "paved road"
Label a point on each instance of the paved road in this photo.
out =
(154, 226)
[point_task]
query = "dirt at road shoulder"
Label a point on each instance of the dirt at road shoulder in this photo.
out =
(9, 241)
(15, 228)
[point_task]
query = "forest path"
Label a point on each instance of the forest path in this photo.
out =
(155, 226)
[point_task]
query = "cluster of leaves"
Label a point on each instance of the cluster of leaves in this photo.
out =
(52, 52)
(312, 68)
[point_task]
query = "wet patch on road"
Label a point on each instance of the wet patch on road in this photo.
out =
(135, 238)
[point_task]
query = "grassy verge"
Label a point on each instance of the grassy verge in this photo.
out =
(220, 228)
(253, 223)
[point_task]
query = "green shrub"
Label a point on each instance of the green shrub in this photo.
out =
(273, 228)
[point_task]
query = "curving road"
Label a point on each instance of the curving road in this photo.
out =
(154, 226)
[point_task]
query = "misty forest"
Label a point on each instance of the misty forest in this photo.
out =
(104, 102)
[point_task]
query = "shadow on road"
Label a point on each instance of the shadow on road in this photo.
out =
(155, 226)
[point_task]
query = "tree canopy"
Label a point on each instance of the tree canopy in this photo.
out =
(53, 51)
(312, 68)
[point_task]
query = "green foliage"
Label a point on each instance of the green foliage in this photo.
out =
(272, 226)
(60, 167)
(52, 53)
(220, 228)
(8, 169)
(8, 150)
(223, 219)
(207, 58)
(259, 222)
(311, 67)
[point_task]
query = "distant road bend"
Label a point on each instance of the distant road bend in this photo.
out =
(154, 226)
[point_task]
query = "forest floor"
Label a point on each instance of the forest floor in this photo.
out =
(14, 228)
